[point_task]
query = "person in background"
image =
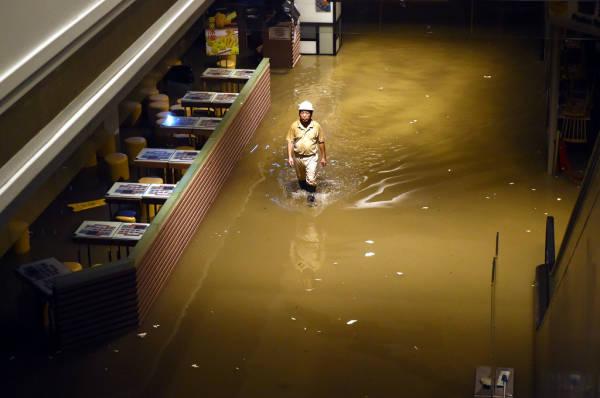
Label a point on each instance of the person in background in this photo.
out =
(306, 148)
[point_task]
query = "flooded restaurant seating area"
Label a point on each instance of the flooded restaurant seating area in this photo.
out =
(185, 258)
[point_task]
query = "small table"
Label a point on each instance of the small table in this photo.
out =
(42, 273)
(124, 193)
(237, 77)
(195, 124)
(154, 158)
(108, 233)
(208, 99)
(157, 194)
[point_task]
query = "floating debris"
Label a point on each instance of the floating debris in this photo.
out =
(487, 76)
(142, 335)
(399, 273)
(424, 207)
(318, 279)
(527, 230)
(533, 189)
(416, 348)
(369, 254)
(195, 366)
(559, 199)
(426, 95)
(309, 290)
(511, 183)
(487, 197)
(267, 146)
(254, 148)
(380, 88)
(370, 242)
(156, 326)
(449, 170)
(351, 322)
(116, 351)
(413, 121)
(293, 319)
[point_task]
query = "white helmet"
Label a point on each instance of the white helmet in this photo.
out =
(305, 106)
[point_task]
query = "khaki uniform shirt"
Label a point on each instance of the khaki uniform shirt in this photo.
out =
(306, 139)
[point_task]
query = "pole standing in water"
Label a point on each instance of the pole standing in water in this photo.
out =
(306, 148)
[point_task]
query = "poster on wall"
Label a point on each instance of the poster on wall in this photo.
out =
(222, 41)
(323, 5)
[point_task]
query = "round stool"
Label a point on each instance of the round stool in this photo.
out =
(109, 145)
(162, 115)
(130, 112)
(118, 165)
(145, 92)
(159, 98)
(149, 82)
(150, 180)
(73, 266)
(133, 146)
(172, 62)
(155, 108)
(178, 110)
(19, 234)
(89, 155)
(126, 216)
(228, 61)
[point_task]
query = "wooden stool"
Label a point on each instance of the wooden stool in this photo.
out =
(163, 115)
(146, 92)
(89, 155)
(19, 234)
(150, 180)
(130, 112)
(133, 146)
(178, 110)
(159, 98)
(155, 108)
(119, 166)
(73, 266)
(109, 145)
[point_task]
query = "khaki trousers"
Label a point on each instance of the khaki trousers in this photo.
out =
(306, 168)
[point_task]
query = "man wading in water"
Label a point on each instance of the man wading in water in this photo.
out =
(306, 141)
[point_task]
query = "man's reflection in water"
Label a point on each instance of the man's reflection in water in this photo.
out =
(307, 251)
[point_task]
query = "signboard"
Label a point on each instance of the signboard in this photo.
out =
(222, 41)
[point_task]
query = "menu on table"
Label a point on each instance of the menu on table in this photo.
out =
(217, 72)
(181, 156)
(130, 231)
(243, 73)
(127, 190)
(97, 229)
(198, 96)
(208, 123)
(178, 122)
(155, 154)
(43, 272)
(159, 191)
(225, 98)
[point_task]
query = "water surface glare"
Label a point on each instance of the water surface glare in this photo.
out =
(383, 288)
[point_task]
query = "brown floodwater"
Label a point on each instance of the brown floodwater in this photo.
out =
(435, 142)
